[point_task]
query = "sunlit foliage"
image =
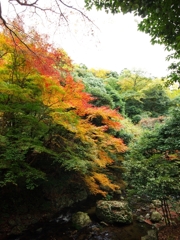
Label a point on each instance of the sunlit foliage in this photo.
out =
(44, 113)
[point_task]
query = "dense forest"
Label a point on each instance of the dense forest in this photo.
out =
(68, 132)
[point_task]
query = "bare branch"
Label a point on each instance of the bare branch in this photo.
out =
(61, 11)
(58, 2)
(25, 3)
(1, 17)
(85, 16)
(53, 11)
(1, 56)
(14, 34)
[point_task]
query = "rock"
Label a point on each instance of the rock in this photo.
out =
(152, 235)
(16, 230)
(157, 203)
(144, 238)
(105, 188)
(138, 210)
(12, 222)
(104, 224)
(114, 212)
(143, 209)
(156, 216)
(39, 230)
(152, 206)
(118, 192)
(140, 219)
(147, 216)
(80, 220)
(95, 228)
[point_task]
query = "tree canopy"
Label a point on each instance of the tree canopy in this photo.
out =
(45, 114)
(160, 17)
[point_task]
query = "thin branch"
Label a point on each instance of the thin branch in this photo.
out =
(84, 15)
(13, 33)
(61, 14)
(3, 54)
(27, 4)
(53, 9)
(1, 17)
(35, 6)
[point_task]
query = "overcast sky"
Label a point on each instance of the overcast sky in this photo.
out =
(116, 45)
(113, 44)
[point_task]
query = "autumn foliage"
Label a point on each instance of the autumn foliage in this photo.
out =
(44, 112)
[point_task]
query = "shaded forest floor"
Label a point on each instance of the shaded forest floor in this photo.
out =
(170, 233)
(165, 231)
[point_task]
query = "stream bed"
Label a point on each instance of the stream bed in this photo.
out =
(95, 231)
(60, 228)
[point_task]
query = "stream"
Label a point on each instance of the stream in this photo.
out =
(60, 228)
(55, 230)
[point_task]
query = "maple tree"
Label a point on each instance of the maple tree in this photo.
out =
(44, 112)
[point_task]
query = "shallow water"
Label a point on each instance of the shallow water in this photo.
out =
(60, 228)
(96, 231)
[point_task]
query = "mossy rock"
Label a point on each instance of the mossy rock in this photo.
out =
(156, 216)
(114, 212)
(80, 220)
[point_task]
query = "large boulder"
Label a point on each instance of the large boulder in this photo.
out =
(114, 212)
(80, 220)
